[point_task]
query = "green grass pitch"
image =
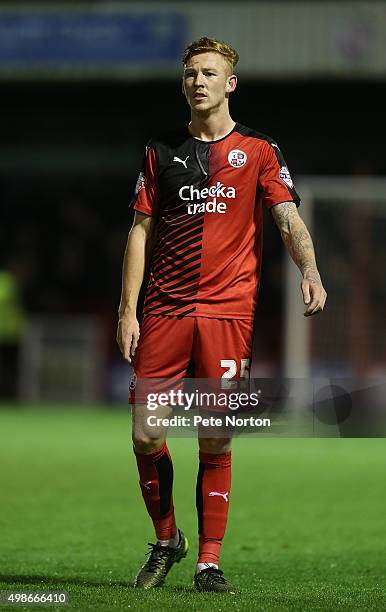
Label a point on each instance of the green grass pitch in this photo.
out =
(306, 528)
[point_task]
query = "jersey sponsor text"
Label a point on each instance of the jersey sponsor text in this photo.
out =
(192, 194)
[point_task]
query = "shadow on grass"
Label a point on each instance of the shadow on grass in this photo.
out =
(63, 581)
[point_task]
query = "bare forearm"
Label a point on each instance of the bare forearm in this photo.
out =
(132, 277)
(297, 239)
(299, 244)
(134, 264)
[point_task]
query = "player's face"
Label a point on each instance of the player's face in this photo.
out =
(207, 82)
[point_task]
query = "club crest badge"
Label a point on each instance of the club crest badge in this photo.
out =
(237, 158)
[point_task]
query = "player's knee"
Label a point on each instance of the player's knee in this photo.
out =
(215, 445)
(146, 444)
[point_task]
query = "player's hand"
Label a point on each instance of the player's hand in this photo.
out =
(314, 294)
(128, 336)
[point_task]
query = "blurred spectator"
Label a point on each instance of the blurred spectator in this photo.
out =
(11, 330)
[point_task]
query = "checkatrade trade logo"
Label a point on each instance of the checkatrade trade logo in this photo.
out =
(212, 199)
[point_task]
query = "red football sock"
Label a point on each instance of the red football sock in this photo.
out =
(156, 481)
(212, 502)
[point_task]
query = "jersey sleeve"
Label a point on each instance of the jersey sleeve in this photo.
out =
(146, 193)
(275, 181)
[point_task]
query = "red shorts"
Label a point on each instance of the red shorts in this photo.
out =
(199, 347)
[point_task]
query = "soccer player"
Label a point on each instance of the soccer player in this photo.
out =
(199, 220)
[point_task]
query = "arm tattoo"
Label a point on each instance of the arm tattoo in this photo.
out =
(296, 238)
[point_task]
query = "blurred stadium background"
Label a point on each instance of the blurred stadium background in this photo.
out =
(84, 85)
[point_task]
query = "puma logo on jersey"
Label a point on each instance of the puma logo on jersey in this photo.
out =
(217, 494)
(181, 161)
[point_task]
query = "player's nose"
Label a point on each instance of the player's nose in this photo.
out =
(198, 80)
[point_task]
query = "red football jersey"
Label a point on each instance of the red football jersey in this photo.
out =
(207, 198)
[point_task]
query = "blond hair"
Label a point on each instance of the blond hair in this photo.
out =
(205, 45)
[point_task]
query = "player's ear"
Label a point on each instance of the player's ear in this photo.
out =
(231, 83)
